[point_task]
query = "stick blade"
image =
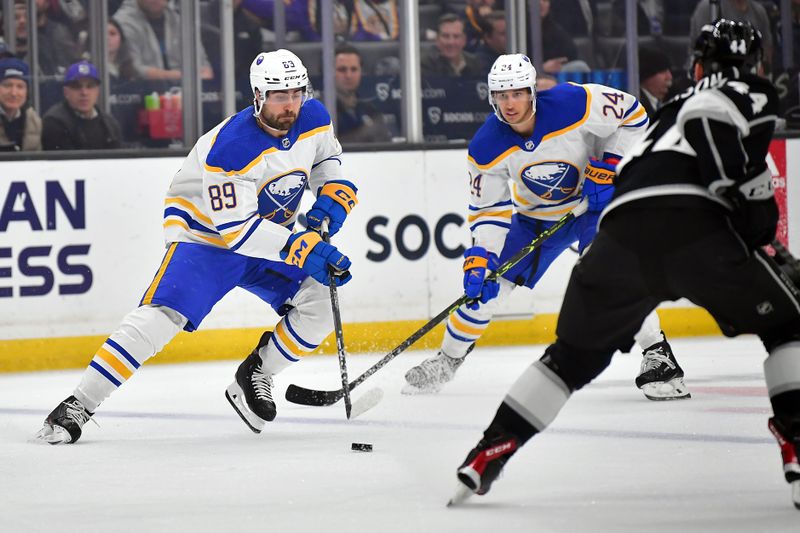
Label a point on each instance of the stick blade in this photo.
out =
(317, 398)
(367, 401)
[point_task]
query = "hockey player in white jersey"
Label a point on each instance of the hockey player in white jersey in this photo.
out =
(228, 222)
(531, 163)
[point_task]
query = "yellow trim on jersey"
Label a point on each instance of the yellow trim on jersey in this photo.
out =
(460, 326)
(494, 161)
(184, 225)
(636, 115)
(504, 214)
(191, 207)
(151, 290)
(519, 199)
(576, 124)
(310, 133)
(114, 363)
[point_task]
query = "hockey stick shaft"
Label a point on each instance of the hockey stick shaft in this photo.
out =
(304, 396)
(337, 328)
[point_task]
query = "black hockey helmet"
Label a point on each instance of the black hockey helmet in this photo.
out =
(727, 43)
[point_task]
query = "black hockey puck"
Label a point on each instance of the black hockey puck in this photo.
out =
(361, 447)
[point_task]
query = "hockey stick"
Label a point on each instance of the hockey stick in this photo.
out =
(318, 398)
(337, 327)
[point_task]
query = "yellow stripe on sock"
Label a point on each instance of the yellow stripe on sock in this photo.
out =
(288, 342)
(115, 363)
(461, 326)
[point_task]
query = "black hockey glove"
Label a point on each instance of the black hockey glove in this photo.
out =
(756, 221)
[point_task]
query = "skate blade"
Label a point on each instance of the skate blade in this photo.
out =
(673, 389)
(365, 402)
(51, 435)
(235, 397)
(461, 495)
(796, 493)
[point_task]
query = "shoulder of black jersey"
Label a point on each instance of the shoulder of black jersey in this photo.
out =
(492, 140)
(238, 143)
(755, 85)
(561, 107)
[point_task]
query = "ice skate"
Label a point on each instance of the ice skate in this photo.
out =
(661, 378)
(250, 394)
(65, 423)
(429, 376)
(789, 453)
(483, 466)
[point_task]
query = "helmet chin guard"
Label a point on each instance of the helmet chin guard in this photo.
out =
(280, 70)
(511, 71)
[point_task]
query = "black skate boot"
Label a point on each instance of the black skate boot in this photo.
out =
(430, 375)
(251, 392)
(790, 449)
(65, 423)
(661, 378)
(483, 465)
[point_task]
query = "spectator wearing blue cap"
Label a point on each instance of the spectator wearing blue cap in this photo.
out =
(20, 125)
(76, 123)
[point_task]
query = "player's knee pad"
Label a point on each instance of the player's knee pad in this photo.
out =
(153, 326)
(312, 314)
(574, 366)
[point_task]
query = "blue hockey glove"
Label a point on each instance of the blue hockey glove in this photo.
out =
(477, 260)
(307, 251)
(598, 183)
(334, 201)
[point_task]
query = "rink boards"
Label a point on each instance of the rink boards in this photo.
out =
(80, 241)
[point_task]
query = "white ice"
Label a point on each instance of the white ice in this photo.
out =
(171, 455)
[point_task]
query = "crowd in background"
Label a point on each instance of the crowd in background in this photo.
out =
(460, 40)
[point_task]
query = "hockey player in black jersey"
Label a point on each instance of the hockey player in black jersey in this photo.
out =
(698, 186)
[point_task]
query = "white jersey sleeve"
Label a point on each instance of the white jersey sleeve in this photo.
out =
(327, 161)
(490, 207)
(616, 118)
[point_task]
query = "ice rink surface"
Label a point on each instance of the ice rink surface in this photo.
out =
(171, 455)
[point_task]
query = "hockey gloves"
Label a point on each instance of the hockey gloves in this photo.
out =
(334, 201)
(598, 185)
(755, 213)
(477, 260)
(307, 251)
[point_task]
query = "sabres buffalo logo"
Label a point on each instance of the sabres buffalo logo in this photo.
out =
(279, 197)
(551, 181)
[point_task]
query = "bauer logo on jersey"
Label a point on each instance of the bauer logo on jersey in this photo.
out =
(280, 196)
(551, 180)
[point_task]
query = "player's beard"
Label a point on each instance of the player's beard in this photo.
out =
(280, 122)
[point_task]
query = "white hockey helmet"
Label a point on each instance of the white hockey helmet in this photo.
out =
(280, 70)
(511, 71)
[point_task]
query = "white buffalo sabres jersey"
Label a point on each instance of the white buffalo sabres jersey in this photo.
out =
(541, 176)
(240, 188)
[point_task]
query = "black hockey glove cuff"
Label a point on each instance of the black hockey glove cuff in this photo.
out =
(756, 221)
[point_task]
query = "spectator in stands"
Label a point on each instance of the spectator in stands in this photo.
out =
(357, 120)
(152, 29)
(20, 125)
(649, 17)
(120, 64)
(4, 51)
(738, 10)
(655, 78)
(374, 20)
(247, 39)
(474, 16)
(544, 82)
(77, 123)
(559, 52)
(575, 16)
(495, 39)
(449, 57)
(56, 44)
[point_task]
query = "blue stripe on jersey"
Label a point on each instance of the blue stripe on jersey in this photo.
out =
(331, 158)
(283, 352)
(192, 223)
(498, 204)
(457, 337)
(638, 124)
(231, 224)
(105, 373)
(490, 223)
(296, 336)
(247, 235)
(461, 313)
(630, 109)
(124, 353)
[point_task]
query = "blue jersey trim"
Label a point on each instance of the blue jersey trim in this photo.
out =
(498, 204)
(191, 222)
(490, 223)
(247, 235)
